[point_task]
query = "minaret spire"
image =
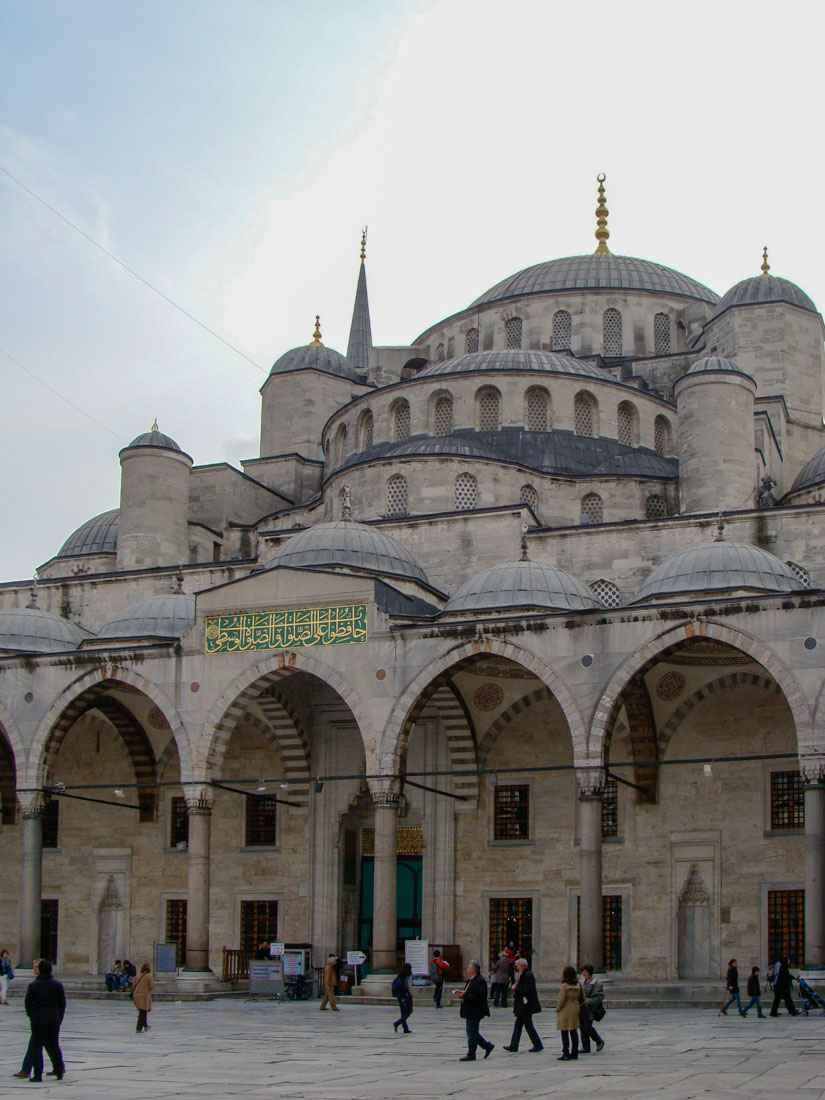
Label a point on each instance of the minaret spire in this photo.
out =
(602, 232)
(316, 336)
(360, 333)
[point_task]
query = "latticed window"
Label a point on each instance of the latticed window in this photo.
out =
(626, 424)
(801, 573)
(787, 801)
(261, 816)
(611, 934)
(529, 496)
(51, 823)
(471, 341)
(259, 924)
(367, 426)
(401, 419)
(489, 410)
(178, 823)
(607, 592)
(397, 496)
(512, 333)
(583, 415)
(592, 509)
(786, 925)
(439, 354)
(511, 921)
(176, 926)
(610, 808)
(562, 330)
(511, 814)
(661, 436)
(466, 492)
(612, 332)
(443, 415)
(661, 334)
(538, 402)
(655, 507)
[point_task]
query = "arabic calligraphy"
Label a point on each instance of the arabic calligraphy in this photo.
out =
(286, 629)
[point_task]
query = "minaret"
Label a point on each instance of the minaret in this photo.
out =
(360, 333)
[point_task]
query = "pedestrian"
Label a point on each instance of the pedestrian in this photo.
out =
(525, 1006)
(512, 952)
(438, 972)
(568, 1014)
(128, 975)
(594, 1003)
(330, 982)
(753, 992)
(6, 975)
(731, 990)
(114, 976)
(26, 1067)
(45, 1007)
(142, 997)
(402, 990)
(500, 980)
(474, 1008)
(782, 991)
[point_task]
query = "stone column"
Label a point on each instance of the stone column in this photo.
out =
(813, 773)
(591, 784)
(31, 887)
(384, 913)
(199, 805)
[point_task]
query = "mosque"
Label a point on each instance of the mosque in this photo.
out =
(509, 633)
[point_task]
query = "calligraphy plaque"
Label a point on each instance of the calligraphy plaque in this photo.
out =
(253, 630)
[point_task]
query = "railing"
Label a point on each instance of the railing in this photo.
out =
(235, 965)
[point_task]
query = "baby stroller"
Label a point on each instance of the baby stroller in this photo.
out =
(811, 1000)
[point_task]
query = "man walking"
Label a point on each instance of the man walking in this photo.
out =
(438, 972)
(782, 989)
(525, 1005)
(330, 982)
(474, 1008)
(45, 1007)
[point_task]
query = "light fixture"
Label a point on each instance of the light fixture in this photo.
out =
(261, 785)
(285, 787)
(708, 770)
(319, 785)
(119, 792)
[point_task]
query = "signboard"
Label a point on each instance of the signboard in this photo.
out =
(266, 977)
(293, 963)
(356, 958)
(166, 958)
(285, 629)
(417, 954)
(276, 949)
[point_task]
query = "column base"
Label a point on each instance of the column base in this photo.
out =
(377, 983)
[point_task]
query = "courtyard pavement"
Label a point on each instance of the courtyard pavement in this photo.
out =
(244, 1049)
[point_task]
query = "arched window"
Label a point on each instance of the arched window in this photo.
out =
(627, 424)
(366, 430)
(397, 497)
(537, 411)
(530, 497)
(592, 510)
(655, 507)
(512, 333)
(662, 436)
(801, 573)
(584, 414)
(489, 409)
(466, 492)
(661, 334)
(562, 330)
(612, 332)
(443, 415)
(401, 421)
(607, 592)
(471, 342)
(340, 444)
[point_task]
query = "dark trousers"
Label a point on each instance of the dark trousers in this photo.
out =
(783, 995)
(734, 996)
(499, 994)
(46, 1035)
(570, 1043)
(142, 1019)
(439, 989)
(525, 1021)
(406, 1006)
(475, 1038)
(589, 1033)
(753, 1001)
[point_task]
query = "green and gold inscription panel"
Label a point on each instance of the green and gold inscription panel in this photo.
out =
(248, 631)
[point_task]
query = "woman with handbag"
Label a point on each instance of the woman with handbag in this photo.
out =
(142, 997)
(568, 1014)
(592, 1010)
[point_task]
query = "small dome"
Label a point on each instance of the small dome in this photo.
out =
(168, 616)
(154, 439)
(347, 544)
(310, 357)
(760, 289)
(515, 359)
(523, 584)
(30, 630)
(713, 363)
(96, 536)
(812, 473)
(718, 567)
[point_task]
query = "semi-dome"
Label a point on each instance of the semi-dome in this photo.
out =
(718, 566)
(457, 446)
(97, 535)
(713, 363)
(760, 289)
(30, 630)
(169, 616)
(523, 584)
(350, 545)
(599, 271)
(812, 473)
(154, 438)
(516, 359)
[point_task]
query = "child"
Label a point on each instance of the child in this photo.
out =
(753, 993)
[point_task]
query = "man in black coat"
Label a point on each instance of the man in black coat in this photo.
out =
(474, 1008)
(782, 989)
(525, 1005)
(45, 1007)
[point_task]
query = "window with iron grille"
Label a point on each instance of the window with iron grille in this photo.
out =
(562, 330)
(787, 800)
(655, 507)
(340, 444)
(612, 332)
(607, 592)
(466, 492)
(800, 572)
(261, 813)
(512, 333)
(439, 353)
(583, 418)
(786, 925)
(471, 342)
(259, 924)
(511, 921)
(611, 934)
(401, 418)
(178, 823)
(511, 814)
(443, 415)
(49, 914)
(397, 502)
(626, 422)
(610, 808)
(489, 410)
(367, 428)
(51, 823)
(538, 401)
(176, 926)
(530, 497)
(592, 507)
(661, 436)
(661, 334)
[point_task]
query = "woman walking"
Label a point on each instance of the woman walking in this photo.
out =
(731, 990)
(6, 975)
(594, 1006)
(402, 990)
(142, 996)
(568, 1013)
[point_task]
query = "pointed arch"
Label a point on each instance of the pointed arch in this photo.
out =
(495, 729)
(283, 729)
(723, 683)
(461, 741)
(12, 763)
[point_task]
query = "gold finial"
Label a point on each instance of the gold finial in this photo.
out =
(602, 232)
(363, 244)
(765, 265)
(720, 529)
(155, 425)
(316, 336)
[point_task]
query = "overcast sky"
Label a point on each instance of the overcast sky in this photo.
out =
(230, 153)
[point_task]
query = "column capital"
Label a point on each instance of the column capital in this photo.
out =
(813, 770)
(199, 799)
(591, 782)
(32, 803)
(384, 791)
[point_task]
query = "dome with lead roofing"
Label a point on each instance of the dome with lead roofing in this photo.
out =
(811, 474)
(350, 545)
(527, 585)
(515, 359)
(30, 630)
(167, 616)
(762, 289)
(316, 356)
(97, 535)
(154, 438)
(713, 363)
(718, 567)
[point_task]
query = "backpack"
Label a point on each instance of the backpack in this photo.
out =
(399, 986)
(439, 969)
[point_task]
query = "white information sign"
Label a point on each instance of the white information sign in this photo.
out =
(356, 958)
(417, 954)
(276, 949)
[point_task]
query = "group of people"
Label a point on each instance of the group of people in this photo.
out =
(781, 979)
(121, 977)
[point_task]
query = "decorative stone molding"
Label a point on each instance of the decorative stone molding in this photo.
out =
(32, 803)
(813, 770)
(591, 782)
(694, 891)
(111, 898)
(199, 800)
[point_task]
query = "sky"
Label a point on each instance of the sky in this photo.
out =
(230, 153)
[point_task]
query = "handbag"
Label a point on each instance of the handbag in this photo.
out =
(584, 1009)
(598, 1011)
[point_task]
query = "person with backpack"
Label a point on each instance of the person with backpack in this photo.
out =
(402, 990)
(754, 992)
(438, 972)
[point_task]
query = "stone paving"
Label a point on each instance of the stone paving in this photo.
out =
(243, 1049)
